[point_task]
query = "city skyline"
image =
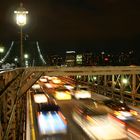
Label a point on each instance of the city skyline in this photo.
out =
(37, 55)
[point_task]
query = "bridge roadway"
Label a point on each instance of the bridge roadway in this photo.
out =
(74, 131)
(14, 83)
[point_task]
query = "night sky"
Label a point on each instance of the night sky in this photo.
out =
(85, 25)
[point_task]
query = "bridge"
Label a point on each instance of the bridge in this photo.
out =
(15, 84)
(11, 54)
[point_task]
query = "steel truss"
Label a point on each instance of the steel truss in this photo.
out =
(13, 102)
(15, 83)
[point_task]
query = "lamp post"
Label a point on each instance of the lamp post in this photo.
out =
(21, 21)
(1, 51)
(26, 57)
(124, 83)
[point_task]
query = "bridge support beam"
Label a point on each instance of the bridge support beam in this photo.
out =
(13, 106)
(133, 88)
(15, 83)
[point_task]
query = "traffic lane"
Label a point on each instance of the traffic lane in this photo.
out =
(74, 131)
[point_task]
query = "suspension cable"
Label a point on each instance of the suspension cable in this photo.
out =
(7, 54)
(40, 55)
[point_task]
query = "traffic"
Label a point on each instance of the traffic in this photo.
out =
(68, 111)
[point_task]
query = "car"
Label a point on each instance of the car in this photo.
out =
(69, 86)
(51, 123)
(45, 103)
(36, 86)
(133, 129)
(81, 92)
(40, 98)
(50, 120)
(51, 85)
(120, 109)
(38, 91)
(62, 93)
(56, 80)
(96, 122)
(43, 79)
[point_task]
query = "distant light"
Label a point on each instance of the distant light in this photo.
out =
(102, 52)
(95, 78)
(16, 59)
(1, 49)
(124, 81)
(79, 56)
(26, 56)
(106, 59)
(70, 51)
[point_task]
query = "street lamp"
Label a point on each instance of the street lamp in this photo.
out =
(1, 51)
(26, 57)
(124, 81)
(94, 78)
(21, 21)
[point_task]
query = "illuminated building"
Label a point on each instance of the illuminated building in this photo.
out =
(70, 58)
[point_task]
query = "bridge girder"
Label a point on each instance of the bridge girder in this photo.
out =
(11, 99)
(16, 82)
